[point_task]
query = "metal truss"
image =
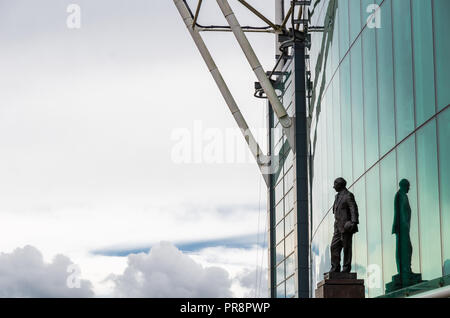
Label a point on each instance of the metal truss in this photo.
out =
(191, 21)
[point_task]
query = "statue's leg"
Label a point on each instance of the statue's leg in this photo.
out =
(408, 254)
(347, 244)
(335, 250)
(397, 253)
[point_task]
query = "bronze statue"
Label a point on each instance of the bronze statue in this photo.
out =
(346, 222)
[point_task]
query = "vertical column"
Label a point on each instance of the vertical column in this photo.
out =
(301, 165)
(271, 211)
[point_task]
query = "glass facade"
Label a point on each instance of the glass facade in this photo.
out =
(379, 113)
(389, 93)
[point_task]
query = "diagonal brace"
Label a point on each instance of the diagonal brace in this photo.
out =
(259, 15)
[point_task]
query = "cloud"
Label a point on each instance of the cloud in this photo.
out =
(241, 264)
(23, 273)
(166, 272)
(255, 282)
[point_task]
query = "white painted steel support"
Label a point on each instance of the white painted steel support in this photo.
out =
(262, 160)
(278, 108)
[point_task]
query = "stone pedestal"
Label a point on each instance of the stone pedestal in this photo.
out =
(340, 285)
(403, 280)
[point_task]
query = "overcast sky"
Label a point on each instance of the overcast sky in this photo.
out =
(89, 119)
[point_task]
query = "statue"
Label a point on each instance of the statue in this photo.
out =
(403, 252)
(337, 284)
(346, 222)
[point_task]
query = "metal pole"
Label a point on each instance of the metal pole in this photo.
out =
(278, 108)
(288, 15)
(261, 159)
(200, 29)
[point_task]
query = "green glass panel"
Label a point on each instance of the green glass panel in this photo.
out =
(374, 257)
(315, 258)
(355, 19)
(335, 46)
(360, 238)
(444, 170)
(323, 167)
(279, 232)
(389, 187)
(290, 222)
(289, 200)
(289, 159)
(370, 96)
(406, 169)
(337, 146)
(289, 180)
(343, 27)
(442, 45)
(428, 194)
(346, 121)
(330, 158)
(315, 206)
(386, 81)
(279, 252)
(281, 293)
(290, 265)
(324, 248)
(357, 109)
(290, 287)
(327, 237)
(404, 96)
(279, 193)
(279, 212)
(423, 60)
(280, 273)
(290, 243)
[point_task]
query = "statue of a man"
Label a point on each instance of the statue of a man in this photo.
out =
(401, 228)
(346, 222)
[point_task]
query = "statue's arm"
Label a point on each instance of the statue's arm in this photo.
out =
(395, 224)
(405, 213)
(353, 208)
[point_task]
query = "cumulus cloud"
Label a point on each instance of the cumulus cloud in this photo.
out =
(166, 272)
(23, 273)
(255, 282)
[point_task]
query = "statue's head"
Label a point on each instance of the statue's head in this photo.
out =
(404, 185)
(339, 184)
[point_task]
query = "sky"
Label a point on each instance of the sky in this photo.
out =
(122, 173)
